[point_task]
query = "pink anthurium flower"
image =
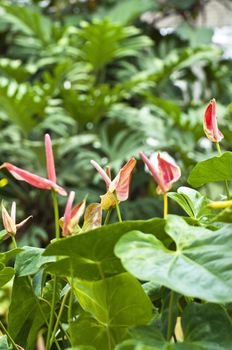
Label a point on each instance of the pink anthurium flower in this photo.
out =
(35, 180)
(9, 221)
(120, 185)
(164, 175)
(210, 123)
(70, 221)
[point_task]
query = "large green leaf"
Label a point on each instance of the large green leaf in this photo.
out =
(6, 273)
(90, 255)
(26, 314)
(205, 327)
(30, 260)
(200, 265)
(212, 170)
(6, 256)
(114, 304)
(208, 325)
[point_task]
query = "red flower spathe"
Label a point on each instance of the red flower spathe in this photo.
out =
(210, 123)
(164, 175)
(36, 180)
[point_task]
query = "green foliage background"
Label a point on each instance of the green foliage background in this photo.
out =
(105, 84)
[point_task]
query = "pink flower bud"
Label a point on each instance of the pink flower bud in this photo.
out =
(164, 175)
(210, 123)
(121, 183)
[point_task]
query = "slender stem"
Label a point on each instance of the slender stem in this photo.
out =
(14, 241)
(56, 213)
(42, 313)
(171, 301)
(70, 304)
(53, 304)
(58, 318)
(165, 205)
(226, 182)
(218, 149)
(52, 313)
(117, 208)
(4, 330)
(107, 216)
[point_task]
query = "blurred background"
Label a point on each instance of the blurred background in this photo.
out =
(107, 79)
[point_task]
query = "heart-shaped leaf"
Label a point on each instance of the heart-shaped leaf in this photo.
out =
(30, 260)
(113, 304)
(90, 256)
(212, 170)
(200, 266)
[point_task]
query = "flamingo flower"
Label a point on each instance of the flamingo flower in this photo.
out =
(120, 185)
(35, 180)
(210, 123)
(9, 221)
(165, 174)
(70, 221)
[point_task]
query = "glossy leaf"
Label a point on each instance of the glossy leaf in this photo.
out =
(192, 202)
(205, 327)
(114, 304)
(30, 260)
(25, 321)
(6, 273)
(10, 254)
(200, 265)
(212, 170)
(90, 255)
(208, 324)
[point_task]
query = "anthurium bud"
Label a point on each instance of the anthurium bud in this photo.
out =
(210, 123)
(120, 186)
(164, 174)
(69, 222)
(9, 221)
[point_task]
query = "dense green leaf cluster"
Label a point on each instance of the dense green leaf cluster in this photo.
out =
(105, 89)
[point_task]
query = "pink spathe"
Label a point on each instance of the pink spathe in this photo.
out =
(210, 123)
(165, 174)
(36, 180)
(121, 183)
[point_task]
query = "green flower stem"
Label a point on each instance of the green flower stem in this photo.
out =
(107, 216)
(51, 321)
(171, 301)
(226, 182)
(42, 313)
(14, 241)
(55, 287)
(58, 319)
(4, 330)
(117, 208)
(56, 213)
(165, 205)
(70, 304)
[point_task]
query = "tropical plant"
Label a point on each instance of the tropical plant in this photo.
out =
(104, 88)
(157, 284)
